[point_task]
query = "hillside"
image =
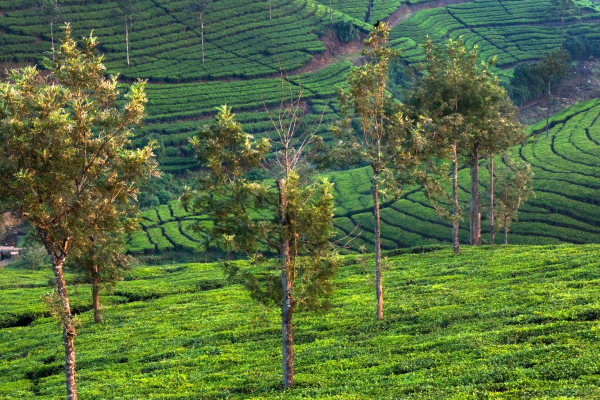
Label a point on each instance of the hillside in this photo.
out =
(503, 323)
(244, 49)
(566, 181)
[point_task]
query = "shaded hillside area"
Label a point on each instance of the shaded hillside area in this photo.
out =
(503, 323)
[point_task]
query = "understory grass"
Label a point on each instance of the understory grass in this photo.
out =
(499, 322)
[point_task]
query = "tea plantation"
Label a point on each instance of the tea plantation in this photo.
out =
(566, 182)
(511, 31)
(245, 48)
(503, 323)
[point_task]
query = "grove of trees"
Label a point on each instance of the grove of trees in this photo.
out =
(68, 167)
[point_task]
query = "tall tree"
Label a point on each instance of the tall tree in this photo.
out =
(293, 219)
(100, 260)
(52, 12)
(198, 8)
(513, 189)
(562, 9)
(386, 139)
(64, 163)
(466, 103)
(551, 67)
(126, 7)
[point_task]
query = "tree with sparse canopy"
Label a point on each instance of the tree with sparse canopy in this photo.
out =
(64, 163)
(126, 7)
(470, 111)
(513, 189)
(293, 219)
(563, 9)
(387, 140)
(101, 260)
(52, 12)
(550, 68)
(198, 8)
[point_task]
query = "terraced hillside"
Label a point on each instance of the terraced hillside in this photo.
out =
(244, 50)
(503, 323)
(567, 185)
(240, 38)
(513, 31)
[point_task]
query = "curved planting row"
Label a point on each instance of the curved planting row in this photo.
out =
(177, 111)
(166, 228)
(511, 31)
(241, 39)
(567, 183)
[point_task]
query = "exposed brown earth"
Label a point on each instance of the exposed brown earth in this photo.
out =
(583, 84)
(407, 10)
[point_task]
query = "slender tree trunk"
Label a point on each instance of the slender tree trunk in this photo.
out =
(287, 305)
(95, 295)
(492, 230)
(202, 28)
(52, 37)
(378, 286)
(330, 11)
(68, 328)
(455, 209)
(270, 9)
(475, 215)
(548, 110)
(127, 39)
(505, 230)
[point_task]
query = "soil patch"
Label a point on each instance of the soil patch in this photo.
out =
(583, 84)
(407, 10)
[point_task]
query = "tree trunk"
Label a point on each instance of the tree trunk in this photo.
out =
(492, 230)
(505, 230)
(378, 286)
(475, 215)
(95, 295)
(269, 9)
(202, 28)
(548, 110)
(52, 37)
(455, 209)
(330, 11)
(287, 305)
(68, 328)
(127, 39)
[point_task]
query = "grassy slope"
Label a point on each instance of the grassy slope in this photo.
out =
(505, 322)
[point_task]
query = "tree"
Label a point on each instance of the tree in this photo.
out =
(562, 9)
(513, 188)
(52, 12)
(388, 141)
(64, 159)
(551, 67)
(100, 260)
(470, 111)
(126, 7)
(200, 7)
(294, 219)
